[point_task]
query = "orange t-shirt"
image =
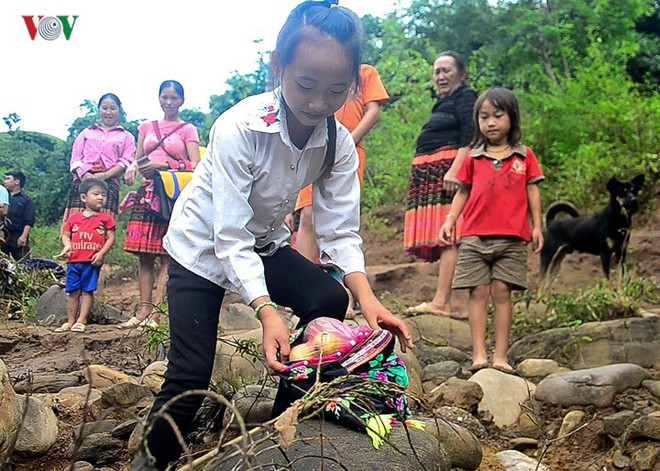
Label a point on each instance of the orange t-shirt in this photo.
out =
(350, 115)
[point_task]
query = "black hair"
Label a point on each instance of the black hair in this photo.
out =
(174, 84)
(90, 183)
(313, 17)
(20, 176)
(502, 99)
(460, 62)
(114, 98)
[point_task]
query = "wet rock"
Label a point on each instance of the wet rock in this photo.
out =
(594, 386)
(503, 394)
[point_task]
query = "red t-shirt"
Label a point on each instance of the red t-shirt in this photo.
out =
(498, 205)
(88, 234)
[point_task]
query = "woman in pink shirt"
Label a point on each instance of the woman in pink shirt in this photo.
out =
(103, 151)
(168, 143)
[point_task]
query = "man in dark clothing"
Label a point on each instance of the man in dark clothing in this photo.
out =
(21, 217)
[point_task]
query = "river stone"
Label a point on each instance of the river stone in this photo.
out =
(632, 340)
(513, 460)
(39, 427)
(341, 448)
(440, 330)
(503, 394)
(594, 386)
(616, 424)
(462, 447)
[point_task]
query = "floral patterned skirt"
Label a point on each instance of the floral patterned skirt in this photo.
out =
(145, 230)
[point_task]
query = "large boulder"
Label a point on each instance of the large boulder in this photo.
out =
(10, 414)
(503, 394)
(39, 427)
(618, 341)
(593, 386)
(51, 309)
(332, 447)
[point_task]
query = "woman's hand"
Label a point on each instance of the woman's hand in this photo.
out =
(86, 176)
(379, 317)
(148, 167)
(275, 338)
(131, 174)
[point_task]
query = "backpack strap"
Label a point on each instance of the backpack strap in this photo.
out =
(331, 149)
(161, 140)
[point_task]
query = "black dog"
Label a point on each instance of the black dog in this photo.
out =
(604, 234)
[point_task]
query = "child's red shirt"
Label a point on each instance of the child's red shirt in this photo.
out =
(498, 204)
(88, 234)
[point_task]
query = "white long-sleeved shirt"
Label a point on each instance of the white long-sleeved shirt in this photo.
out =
(243, 189)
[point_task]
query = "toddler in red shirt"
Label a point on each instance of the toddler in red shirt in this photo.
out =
(499, 188)
(87, 237)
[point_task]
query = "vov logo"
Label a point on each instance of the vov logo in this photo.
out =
(50, 27)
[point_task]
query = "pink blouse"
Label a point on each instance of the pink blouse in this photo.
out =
(173, 148)
(115, 146)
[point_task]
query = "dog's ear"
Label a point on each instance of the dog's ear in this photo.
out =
(613, 185)
(638, 182)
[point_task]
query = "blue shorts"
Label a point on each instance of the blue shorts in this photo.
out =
(81, 276)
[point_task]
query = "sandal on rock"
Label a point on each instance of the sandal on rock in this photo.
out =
(63, 328)
(129, 324)
(425, 308)
(78, 327)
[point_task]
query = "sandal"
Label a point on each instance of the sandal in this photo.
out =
(131, 323)
(78, 327)
(147, 322)
(63, 328)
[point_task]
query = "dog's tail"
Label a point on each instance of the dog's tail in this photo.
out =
(559, 207)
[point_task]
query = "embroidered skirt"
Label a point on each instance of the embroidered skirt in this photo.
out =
(74, 205)
(145, 231)
(427, 204)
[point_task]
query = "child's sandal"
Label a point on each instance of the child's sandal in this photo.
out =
(78, 327)
(63, 328)
(129, 324)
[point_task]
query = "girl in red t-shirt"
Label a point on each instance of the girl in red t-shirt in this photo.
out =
(499, 187)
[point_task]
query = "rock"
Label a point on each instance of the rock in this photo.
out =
(616, 424)
(653, 386)
(429, 354)
(538, 368)
(237, 317)
(619, 460)
(332, 447)
(125, 429)
(460, 417)
(619, 341)
(647, 427)
(462, 447)
(99, 426)
(153, 375)
(135, 439)
(458, 392)
(254, 403)
(100, 448)
(570, 422)
(47, 383)
(513, 460)
(82, 466)
(437, 373)
(645, 457)
(75, 397)
(523, 443)
(503, 394)
(129, 397)
(38, 430)
(51, 309)
(529, 425)
(440, 330)
(235, 367)
(10, 413)
(100, 376)
(594, 386)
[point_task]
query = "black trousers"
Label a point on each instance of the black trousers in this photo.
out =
(12, 248)
(194, 306)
